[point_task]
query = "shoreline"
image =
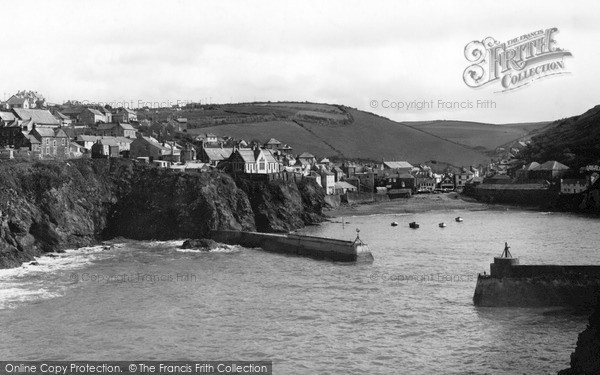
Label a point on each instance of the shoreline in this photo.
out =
(415, 204)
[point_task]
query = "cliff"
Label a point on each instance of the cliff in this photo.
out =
(52, 206)
(282, 206)
(586, 358)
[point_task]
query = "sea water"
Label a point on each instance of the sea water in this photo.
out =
(411, 311)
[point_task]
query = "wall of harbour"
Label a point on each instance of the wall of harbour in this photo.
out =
(293, 244)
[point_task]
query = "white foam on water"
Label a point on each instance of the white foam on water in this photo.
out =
(21, 284)
(223, 248)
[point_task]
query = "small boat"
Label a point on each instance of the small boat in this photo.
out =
(442, 225)
(413, 225)
(394, 224)
(459, 219)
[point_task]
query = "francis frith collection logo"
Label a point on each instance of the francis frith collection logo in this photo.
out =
(515, 63)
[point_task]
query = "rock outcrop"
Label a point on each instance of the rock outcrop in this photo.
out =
(51, 206)
(282, 206)
(586, 358)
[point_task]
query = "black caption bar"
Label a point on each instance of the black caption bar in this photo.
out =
(136, 367)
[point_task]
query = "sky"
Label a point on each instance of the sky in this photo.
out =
(375, 56)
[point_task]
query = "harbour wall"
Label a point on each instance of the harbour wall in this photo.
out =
(522, 194)
(512, 284)
(293, 244)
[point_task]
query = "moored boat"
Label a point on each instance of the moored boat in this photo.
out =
(413, 225)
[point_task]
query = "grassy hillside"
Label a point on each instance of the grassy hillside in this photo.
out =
(478, 135)
(574, 141)
(332, 130)
(327, 130)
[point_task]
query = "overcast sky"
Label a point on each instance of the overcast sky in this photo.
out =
(343, 52)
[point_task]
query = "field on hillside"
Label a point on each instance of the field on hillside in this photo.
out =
(368, 137)
(374, 137)
(478, 135)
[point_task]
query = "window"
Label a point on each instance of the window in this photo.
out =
(46, 141)
(62, 141)
(54, 143)
(47, 150)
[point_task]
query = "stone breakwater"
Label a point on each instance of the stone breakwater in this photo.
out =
(293, 244)
(51, 206)
(512, 284)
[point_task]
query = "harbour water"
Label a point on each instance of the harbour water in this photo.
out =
(411, 311)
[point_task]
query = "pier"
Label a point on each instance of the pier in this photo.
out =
(294, 244)
(512, 284)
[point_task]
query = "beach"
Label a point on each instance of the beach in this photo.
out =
(416, 203)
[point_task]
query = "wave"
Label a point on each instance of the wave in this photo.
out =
(223, 248)
(22, 284)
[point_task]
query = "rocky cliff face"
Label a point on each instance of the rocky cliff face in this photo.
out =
(50, 206)
(282, 206)
(586, 358)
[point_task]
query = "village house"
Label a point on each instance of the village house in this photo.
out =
(87, 141)
(462, 178)
(550, 170)
(40, 118)
(342, 187)
(447, 183)
(73, 113)
(7, 118)
(307, 158)
(125, 115)
(253, 161)
(91, 117)
(16, 102)
(106, 113)
(63, 119)
(523, 172)
(214, 155)
(210, 138)
(192, 166)
(351, 168)
(116, 130)
(396, 166)
(76, 151)
(338, 173)
(328, 181)
(188, 153)
(53, 143)
(149, 148)
(273, 144)
(11, 135)
(424, 181)
(573, 186)
(106, 148)
(578, 185)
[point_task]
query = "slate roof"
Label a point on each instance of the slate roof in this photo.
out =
(397, 164)
(344, 185)
(38, 116)
(15, 100)
(273, 141)
(7, 116)
(95, 111)
(531, 166)
(218, 153)
(87, 138)
(306, 155)
(44, 132)
(551, 166)
(247, 155)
